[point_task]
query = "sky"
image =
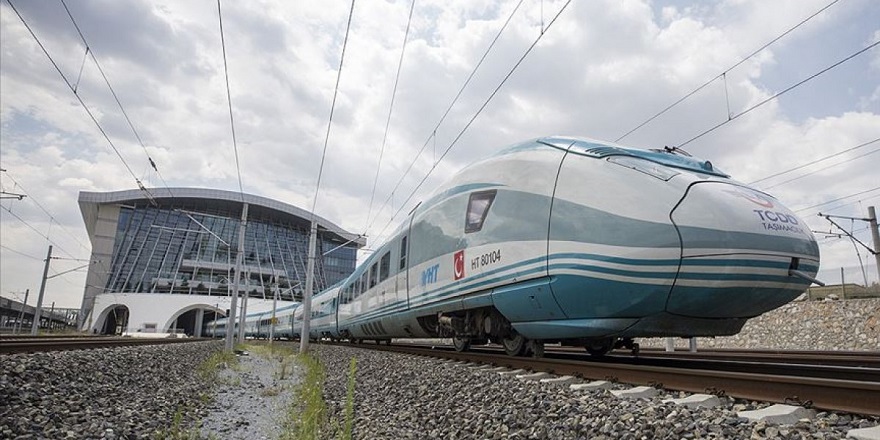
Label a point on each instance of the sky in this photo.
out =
(600, 69)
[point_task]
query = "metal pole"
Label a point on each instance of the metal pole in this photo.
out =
(875, 234)
(274, 306)
(843, 283)
(230, 320)
(307, 296)
(36, 324)
(51, 315)
(21, 313)
(243, 315)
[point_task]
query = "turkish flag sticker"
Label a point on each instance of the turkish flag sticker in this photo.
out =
(458, 265)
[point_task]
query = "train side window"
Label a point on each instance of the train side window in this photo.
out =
(403, 253)
(385, 266)
(363, 284)
(478, 207)
(373, 274)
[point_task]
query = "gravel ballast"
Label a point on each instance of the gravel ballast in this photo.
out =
(135, 392)
(408, 397)
(121, 392)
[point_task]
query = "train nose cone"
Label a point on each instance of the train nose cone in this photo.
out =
(738, 249)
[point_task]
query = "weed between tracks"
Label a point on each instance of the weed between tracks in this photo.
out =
(208, 371)
(308, 417)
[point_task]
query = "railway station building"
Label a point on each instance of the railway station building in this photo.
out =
(163, 259)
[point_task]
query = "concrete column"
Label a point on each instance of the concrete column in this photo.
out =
(693, 345)
(670, 344)
(200, 320)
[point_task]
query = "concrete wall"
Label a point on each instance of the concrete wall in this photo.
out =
(162, 310)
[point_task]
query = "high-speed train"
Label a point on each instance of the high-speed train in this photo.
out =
(583, 242)
(257, 325)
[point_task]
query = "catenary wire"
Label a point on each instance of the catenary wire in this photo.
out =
(390, 108)
(91, 53)
(20, 252)
(821, 169)
(776, 95)
(837, 199)
(814, 162)
(82, 103)
(43, 208)
(229, 102)
(33, 228)
(446, 113)
(332, 108)
(833, 208)
(478, 112)
(724, 73)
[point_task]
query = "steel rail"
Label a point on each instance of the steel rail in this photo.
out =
(854, 396)
(51, 344)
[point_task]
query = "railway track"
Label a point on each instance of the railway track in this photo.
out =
(827, 383)
(36, 344)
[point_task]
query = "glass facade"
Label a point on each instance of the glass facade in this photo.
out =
(190, 248)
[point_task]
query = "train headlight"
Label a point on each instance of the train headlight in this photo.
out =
(645, 166)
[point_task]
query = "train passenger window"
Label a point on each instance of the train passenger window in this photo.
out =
(373, 274)
(403, 253)
(478, 207)
(363, 283)
(385, 266)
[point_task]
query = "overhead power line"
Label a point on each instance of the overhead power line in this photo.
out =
(45, 211)
(724, 73)
(41, 234)
(814, 162)
(821, 169)
(91, 53)
(837, 199)
(332, 108)
(390, 108)
(433, 134)
(83, 104)
(229, 102)
(776, 95)
(20, 253)
(478, 112)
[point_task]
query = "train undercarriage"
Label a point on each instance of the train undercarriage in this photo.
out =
(484, 325)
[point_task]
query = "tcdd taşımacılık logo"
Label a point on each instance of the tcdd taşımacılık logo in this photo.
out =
(458, 265)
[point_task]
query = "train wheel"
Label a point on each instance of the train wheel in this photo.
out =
(461, 343)
(600, 347)
(515, 345)
(537, 348)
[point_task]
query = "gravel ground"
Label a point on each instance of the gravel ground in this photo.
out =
(407, 397)
(252, 399)
(123, 392)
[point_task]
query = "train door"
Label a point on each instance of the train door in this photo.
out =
(403, 264)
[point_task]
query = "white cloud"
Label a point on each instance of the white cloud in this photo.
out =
(600, 70)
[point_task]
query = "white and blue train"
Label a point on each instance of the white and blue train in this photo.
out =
(258, 325)
(576, 241)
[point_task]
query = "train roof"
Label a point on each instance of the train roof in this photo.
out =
(669, 156)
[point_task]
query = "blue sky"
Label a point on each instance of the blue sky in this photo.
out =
(601, 69)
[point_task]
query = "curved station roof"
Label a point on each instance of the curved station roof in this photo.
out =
(202, 199)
